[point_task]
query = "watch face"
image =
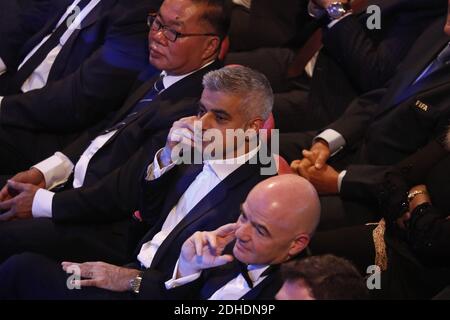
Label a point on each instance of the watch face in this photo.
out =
(336, 10)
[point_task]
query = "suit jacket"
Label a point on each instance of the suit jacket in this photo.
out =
(408, 117)
(266, 24)
(20, 20)
(219, 207)
(111, 186)
(355, 60)
(91, 75)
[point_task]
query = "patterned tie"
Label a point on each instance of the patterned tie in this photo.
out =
(157, 87)
(38, 57)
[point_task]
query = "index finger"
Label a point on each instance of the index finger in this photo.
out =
(226, 229)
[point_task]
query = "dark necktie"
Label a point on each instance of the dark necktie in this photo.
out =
(157, 87)
(441, 60)
(244, 271)
(36, 59)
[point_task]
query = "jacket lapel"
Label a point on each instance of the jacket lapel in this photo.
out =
(413, 67)
(100, 9)
(184, 177)
(134, 98)
(217, 278)
(37, 38)
(212, 199)
(268, 281)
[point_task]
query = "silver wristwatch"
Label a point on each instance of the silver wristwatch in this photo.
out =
(337, 9)
(135, 283)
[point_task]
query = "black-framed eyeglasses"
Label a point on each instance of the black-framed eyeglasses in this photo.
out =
(155, 25)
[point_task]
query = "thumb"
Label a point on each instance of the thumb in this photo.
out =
(221, 260)
(321, 160)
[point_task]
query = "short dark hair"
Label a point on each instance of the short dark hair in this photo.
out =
(217, 14)
(328, 277)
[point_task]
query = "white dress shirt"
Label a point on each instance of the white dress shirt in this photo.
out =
(214, 171)
(38, 78)
(233, 290)
(58, 168)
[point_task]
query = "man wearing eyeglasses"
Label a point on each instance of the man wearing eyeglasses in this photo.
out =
(178, 47)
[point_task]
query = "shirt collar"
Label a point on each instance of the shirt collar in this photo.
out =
(169, 80)
(255, 271)
(222, 168)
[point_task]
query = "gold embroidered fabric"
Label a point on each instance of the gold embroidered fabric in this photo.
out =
(380, 245)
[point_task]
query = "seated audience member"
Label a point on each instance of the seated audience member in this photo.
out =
(324, 277)
(92, 194)
(411, 244)
(275, 226)
(286, 224)
(177, 198)
(348, 161)
(264, 33)
(72, 73)
(417, 237)
(347, 57)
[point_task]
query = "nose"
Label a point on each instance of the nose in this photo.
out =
(206, 121)
(242, 232)
(158, 37)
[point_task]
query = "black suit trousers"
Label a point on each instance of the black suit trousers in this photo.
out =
(106, 242)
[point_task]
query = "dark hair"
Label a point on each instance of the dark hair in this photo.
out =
(328, 277)
(217, 14)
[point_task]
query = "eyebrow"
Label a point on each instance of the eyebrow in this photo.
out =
(256, 225)
(221, 112)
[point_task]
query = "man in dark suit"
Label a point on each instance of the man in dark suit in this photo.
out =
(263, 34)
(355, 58)
(275, 225)
(78, 68)
(179, 199)
(413, 111)
(134, 134)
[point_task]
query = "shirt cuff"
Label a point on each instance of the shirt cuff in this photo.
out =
(335, 140)
(332, 23)
(154, 171)
(340, 178)
(42, 204)
(56, 169)
(174, 282)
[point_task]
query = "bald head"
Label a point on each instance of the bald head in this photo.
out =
(291, 198)
(277, 221)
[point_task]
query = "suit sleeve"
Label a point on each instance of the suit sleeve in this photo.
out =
(96, 88)
(356, 119)
(114, 197)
